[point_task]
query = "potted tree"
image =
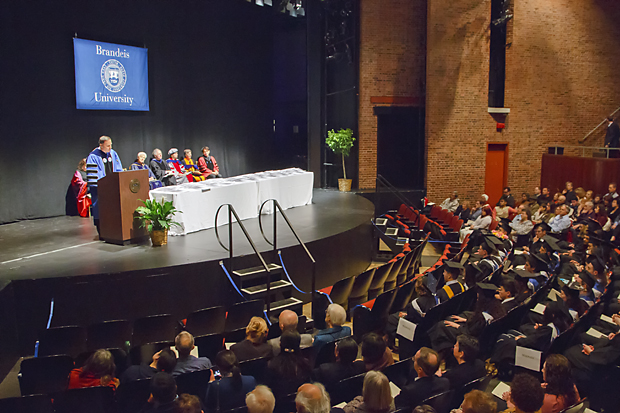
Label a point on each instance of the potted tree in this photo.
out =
(341, 143)
(157, 217)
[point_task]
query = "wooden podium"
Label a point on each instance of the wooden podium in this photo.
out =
(119, 195)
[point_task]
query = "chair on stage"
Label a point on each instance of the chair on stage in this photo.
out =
(45, 375)
(87, 399)
(239, 316)
(206, 321)
(70, 340)
(35, 403)
(108, 334)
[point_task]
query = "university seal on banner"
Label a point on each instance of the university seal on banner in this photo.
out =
(113, 75)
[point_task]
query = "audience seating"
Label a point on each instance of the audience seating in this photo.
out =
(391, 279)
(440, 402)
(209, 345)
(378, 281)
(359, 292)
(459, 394)
(347, 389)
(398, 373)
(239, 316)
(404, 295)
(108, 334)
(338, 294)
(36, 403)
(372, 316)
(194, 383)
(153, 329)
(88, 399)
(70, 340)
(45, 375)
(133, 395)
(206, 321)
(255, 367)
(326, 354)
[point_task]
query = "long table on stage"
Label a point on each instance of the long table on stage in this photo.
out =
(199, 201)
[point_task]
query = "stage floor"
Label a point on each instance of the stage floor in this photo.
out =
(69, 246)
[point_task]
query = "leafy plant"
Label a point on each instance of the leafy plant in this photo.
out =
(157, 216)
(341, 143)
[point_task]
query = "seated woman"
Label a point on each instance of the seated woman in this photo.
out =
(560, 389)
(98, 370)
(331, 373)
(482, 222)
(415, 310)
(80, 189)
(600, 215)
(229, 391)
(139, 164)
(254, 345)
(488, 308)
(376, 396)
(465, 211)
(289, 369)
(614, 210)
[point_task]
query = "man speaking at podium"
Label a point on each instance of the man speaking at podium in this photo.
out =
(101, 161)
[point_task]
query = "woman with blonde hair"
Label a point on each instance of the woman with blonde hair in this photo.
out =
(376, 395)
(254, 345)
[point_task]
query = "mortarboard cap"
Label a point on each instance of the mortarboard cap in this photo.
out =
(487, 286)
(587, 278)
(489, 245)
(552, 243)
(522, 274)
(453, 264)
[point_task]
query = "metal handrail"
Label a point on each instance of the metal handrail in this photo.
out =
(583, 149)
(231, 212)
(598, 126)
(277, 207)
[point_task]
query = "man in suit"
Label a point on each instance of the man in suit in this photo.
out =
(507, 292)
(510, 201)
(451, 272)
(612, 137)
(331, 373)
(469, 367)
(335, 316)
(288, 322)
(426, 384)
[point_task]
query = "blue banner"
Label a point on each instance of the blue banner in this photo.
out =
(110, 76)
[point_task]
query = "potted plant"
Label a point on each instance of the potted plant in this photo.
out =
(157, 217)
(341, 143)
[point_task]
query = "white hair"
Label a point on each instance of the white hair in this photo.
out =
(337, 314)
(156, 150)
(485, 197)
(141, 154)
(311, 405)
(260, 400)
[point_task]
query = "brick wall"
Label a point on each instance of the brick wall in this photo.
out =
(560, 83)
(392, 63)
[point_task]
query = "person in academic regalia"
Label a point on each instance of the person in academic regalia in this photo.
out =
(161, 169)
(177, 167)
(139, 164)
(100, 162)
(79, 185)
(451, 272)
(208, 165)
(190, 166)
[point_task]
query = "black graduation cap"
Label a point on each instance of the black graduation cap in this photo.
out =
(487, 288)
(543, 262)
(523, 274)
(454, 264)
(587, 278)
(572, 288)
(559, 307)
(552, 243)
(490, 243)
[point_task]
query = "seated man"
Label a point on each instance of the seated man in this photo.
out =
(507, 292)
(477, 401)
(186, 363)
(469, 367)
(139, 164)
(208, 165)
(425, 383)
(164, 360)
(312, 398)
(161, 170)
(452, 203)
(260, 400)
(561, 221)
(451, 272)
(331, 373)
(288, 322)
(177, 167)
(190, 166)
(163, 394)
(335, 316)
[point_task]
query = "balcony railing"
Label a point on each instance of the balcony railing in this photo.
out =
(584, 151)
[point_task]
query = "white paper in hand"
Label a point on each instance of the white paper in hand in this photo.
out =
(406, 328)
(607, 319)
(540, 309)
(594, 333)
(527, 358)
(500, 389)
(394, 389)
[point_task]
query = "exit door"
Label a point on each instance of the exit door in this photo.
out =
(496, 175)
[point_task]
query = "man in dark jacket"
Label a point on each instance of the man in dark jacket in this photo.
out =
(469, 367)
(425, 384)
(612, 137)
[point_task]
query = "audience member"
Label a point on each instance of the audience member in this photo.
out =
(476, 211)
(561, 221)
(188, 403)
(507, 292)
(451, 203)
(254, 345)
(98, 370)
(525, 396)
(260, 400)
(612, 137)
(469, 367)
(613, 192)
(415, 310)
(139, 164)
(289, 369)
(482, 222)
(163, 394)
(331, 373)
(560, 389)
(502, 210)
(164, 360)
(452, 287)
(510, 201)
(208, 165)
(375, 353)
(477, 401)
(335, 317)
(425, 384)
(161, 170)
(186, 363)
(465, 211)
(545, 196)
(312, 398)
(288, 321)
(568, 192)
(228, 392)
(376, 396)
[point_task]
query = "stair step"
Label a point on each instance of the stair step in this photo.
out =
(258, 289)
(256, 270)
(282, 304)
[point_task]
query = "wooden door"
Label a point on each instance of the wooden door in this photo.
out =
(496, 174)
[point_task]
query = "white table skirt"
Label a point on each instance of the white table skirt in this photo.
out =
(199, 201)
